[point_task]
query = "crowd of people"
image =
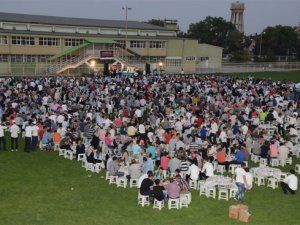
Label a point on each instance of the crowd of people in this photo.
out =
(164, 124)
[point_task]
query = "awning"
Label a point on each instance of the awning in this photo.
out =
(68, 51)
(100, 40)
(86, 42)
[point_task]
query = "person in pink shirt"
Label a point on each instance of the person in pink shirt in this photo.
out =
(107, 140)
(101, 134)
(273, 153)
(164, 161)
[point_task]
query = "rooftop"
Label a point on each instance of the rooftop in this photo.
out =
(69, 21)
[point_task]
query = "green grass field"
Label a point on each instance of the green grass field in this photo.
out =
(35, 189)
(275, 76)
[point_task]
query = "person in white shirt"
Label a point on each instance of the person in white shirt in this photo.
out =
(241, 182)
(207, 169)
(193, 170)
(28, 136)
(14, 136)
(223, 136)
(213, 133)
(290, 183)
(249, 178)
(2, 137)
(35, 136)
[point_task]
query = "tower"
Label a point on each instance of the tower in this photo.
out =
(237, 15)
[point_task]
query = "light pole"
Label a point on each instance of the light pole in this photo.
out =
(260, 43)
(126, 22)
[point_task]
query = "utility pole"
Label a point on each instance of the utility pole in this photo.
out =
(126, 22)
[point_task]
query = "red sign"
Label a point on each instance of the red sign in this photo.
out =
(106, 54)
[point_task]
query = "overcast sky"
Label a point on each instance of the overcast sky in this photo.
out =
(258, 13)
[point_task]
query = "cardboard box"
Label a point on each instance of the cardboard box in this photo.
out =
(244, 216)
(242, 207)
(233, 212)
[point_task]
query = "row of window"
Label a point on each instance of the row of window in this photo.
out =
(70, 42)
(142, 44)
(196, 58)
(23, 58)
(173, 62)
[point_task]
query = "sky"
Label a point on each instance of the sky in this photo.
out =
(258, 14)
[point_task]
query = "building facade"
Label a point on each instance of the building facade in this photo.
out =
(31, 44)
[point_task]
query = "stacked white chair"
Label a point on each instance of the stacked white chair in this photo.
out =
(143, 200)
(61, 152)
(113, 179)
(232, 191)
(174, 203)
(211, 192)
(81, 157)
(282, 162)
(223, 194)
(183, 202)
(158, 204)
(260, 181)
(289, 161)
(272, 182)
(274, 162)
(97, 167)
(89, 167)
(193, 184)
(263, 162)
(232, 168)
(133, 183)
(121, 182)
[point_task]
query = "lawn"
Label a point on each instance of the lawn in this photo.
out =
(275, 76)
(36, 188)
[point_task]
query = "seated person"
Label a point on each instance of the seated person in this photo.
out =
(80, 148)
(134, 170)
(239, 157)
(182, 183)
(221, 158)
(158, 190)
(207, 169)
(114, 168)
(194, 170)
(90, 157)
(173, 190)
(290, 183)
(159, 174)
(144, 176)
(147, 185)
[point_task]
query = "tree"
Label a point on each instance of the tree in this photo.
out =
(217, 31)
(278, 41)
(157, 22)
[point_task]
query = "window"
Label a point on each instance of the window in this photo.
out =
(29, 58)
(48, 41)
(121, 43)
(22, 40)
(3, 40)
(69, 42)
(173, 62)
(16, 58)
(42, 58)
(157, 44)
(3, 58)
(137, 44)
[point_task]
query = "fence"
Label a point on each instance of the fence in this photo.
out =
(252, 67)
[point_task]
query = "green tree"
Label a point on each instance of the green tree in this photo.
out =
(217, 31)
(157, 22)
(278, 41)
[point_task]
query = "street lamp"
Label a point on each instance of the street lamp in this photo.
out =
(126, 22)
(260, 43)
(160, 64)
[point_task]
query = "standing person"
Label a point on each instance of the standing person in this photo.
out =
(35, 136)
(14, 136)
(241, 182)
(290, 183)
(28, 136)
(2, 137)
